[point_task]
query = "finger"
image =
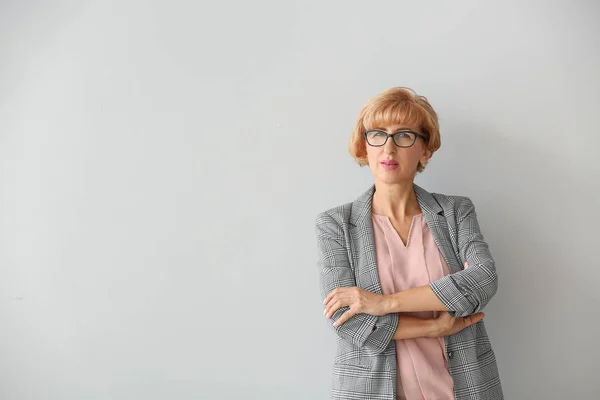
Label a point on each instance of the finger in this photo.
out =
(332, 298)
(333, 305)
(473, 319)
(339, 296)
(336, 305)
(345, 317)
(330, 295)
(335, 293)
(328, 305)
(445, 315)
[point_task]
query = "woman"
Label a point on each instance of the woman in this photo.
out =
(405, 273)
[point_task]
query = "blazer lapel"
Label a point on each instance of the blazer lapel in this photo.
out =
(362, 240)
(362, 237)
(438, 225)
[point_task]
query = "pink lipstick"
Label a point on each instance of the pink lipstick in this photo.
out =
(389, 165)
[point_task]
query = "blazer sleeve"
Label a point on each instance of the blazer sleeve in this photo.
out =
(468, 291)
(372, 333)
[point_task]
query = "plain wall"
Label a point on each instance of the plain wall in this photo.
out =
(163, 162)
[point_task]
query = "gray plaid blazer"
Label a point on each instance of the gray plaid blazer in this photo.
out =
(365, 362)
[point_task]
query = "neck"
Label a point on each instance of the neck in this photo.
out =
(397, 201)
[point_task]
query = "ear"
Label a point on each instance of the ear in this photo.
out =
(426, 156)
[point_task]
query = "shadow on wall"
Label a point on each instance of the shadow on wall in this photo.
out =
(527, 203)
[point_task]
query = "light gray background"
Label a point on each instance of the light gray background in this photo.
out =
(162, 164)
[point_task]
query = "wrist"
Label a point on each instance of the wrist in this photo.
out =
(387, 306)
(389, 303)
(431, 328)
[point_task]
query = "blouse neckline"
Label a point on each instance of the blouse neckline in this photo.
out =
(386, 217)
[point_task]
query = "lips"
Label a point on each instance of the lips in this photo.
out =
(389, 165)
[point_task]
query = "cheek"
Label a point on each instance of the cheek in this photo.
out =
(372, 156)
(412, 156)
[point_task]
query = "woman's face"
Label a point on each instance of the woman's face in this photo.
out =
(392, 164)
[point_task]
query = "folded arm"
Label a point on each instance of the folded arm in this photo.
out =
(462, 293)
(410, 327)
(373, 333)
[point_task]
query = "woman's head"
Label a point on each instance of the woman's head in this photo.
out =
(399, 111)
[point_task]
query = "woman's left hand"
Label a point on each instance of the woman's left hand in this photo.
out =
(358, 299)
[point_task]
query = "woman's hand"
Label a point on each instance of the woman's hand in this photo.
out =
(445, 325)
(358, 299)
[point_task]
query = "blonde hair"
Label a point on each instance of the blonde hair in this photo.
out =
(398, 105)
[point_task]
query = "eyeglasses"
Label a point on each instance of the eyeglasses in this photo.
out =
(403, 138)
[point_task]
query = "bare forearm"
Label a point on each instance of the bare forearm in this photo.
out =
(414, 300)
(410, 327)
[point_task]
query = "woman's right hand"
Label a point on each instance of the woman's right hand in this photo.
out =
(445, 325)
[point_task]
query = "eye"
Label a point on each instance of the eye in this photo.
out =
(376, 134)
(405, 135)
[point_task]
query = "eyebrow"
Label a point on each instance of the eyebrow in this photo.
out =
(397, 130)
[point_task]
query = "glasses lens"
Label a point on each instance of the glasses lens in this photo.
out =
(404, 139)
(376, 138)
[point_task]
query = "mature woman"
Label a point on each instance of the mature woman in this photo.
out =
(405, 273)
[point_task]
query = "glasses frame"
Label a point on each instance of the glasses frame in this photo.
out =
(393, 135)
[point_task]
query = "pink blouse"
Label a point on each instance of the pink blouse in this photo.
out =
(421, 362)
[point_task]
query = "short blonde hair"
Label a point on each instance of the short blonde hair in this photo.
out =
(398, 105)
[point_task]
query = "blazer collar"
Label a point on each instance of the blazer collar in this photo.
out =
(362, 206)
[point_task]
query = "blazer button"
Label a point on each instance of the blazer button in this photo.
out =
(450, 354)
(374, 327)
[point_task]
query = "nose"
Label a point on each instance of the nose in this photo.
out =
(390, 146)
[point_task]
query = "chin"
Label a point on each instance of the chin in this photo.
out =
(390, 180)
